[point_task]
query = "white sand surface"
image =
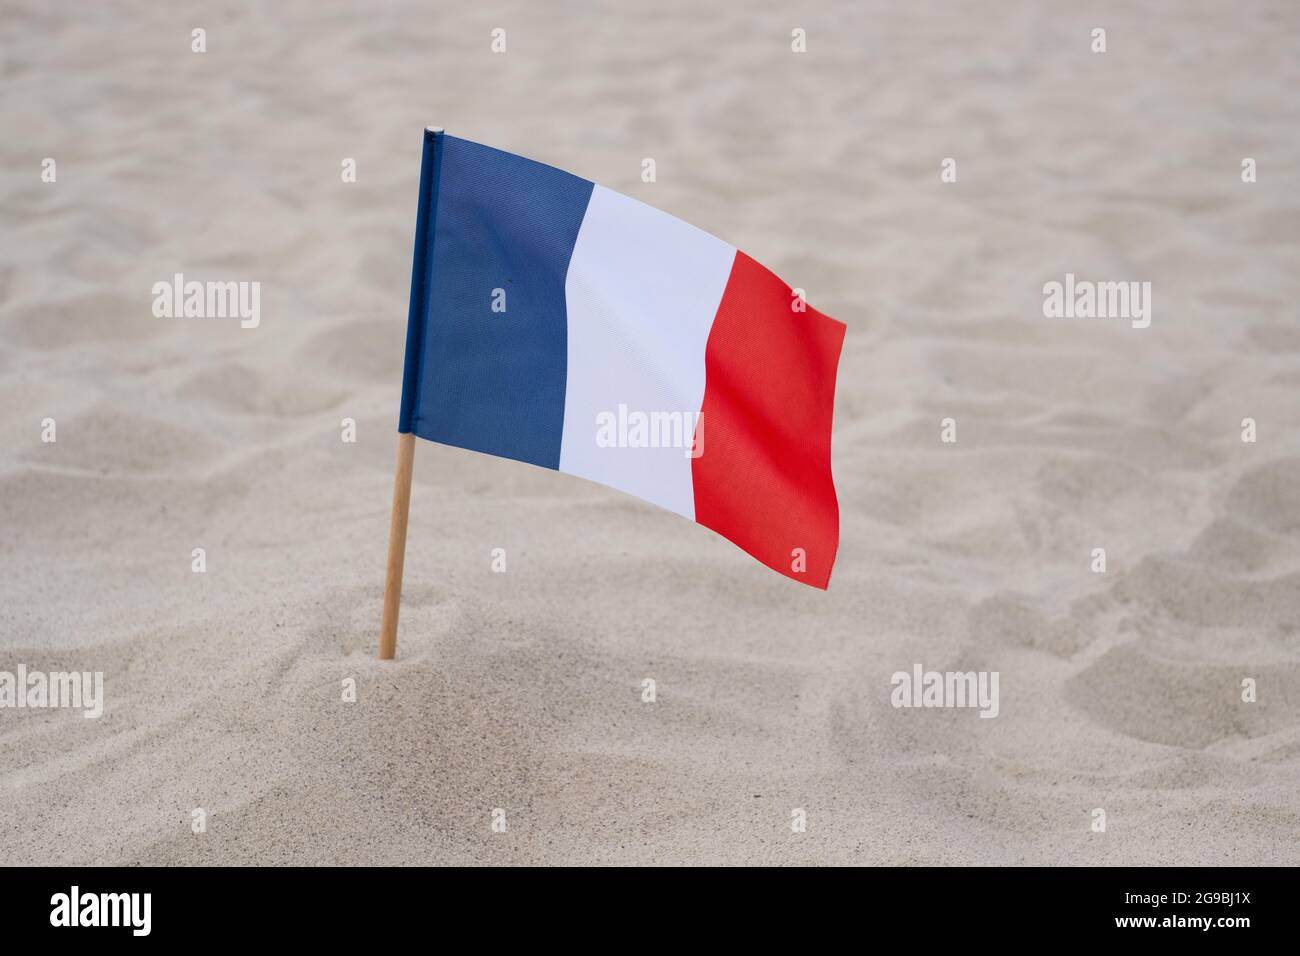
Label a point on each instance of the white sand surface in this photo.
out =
(522, 691)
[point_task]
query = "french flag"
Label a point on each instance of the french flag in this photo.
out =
(559, 323)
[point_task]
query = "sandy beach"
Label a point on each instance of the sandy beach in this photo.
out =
(225, 691)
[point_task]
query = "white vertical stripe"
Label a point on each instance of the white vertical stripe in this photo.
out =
(642, 291)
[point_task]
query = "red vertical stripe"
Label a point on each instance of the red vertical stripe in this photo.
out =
(764, 479)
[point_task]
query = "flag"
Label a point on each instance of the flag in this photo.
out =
(557, 322)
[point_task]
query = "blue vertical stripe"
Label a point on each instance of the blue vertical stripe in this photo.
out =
(418, 310)
(491, 381)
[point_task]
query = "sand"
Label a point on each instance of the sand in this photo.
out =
(522, 691)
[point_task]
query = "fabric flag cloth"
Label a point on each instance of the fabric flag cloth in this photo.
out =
(559, 323)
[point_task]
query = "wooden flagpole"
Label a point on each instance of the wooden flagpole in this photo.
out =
(410, 390)
(397, 545)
